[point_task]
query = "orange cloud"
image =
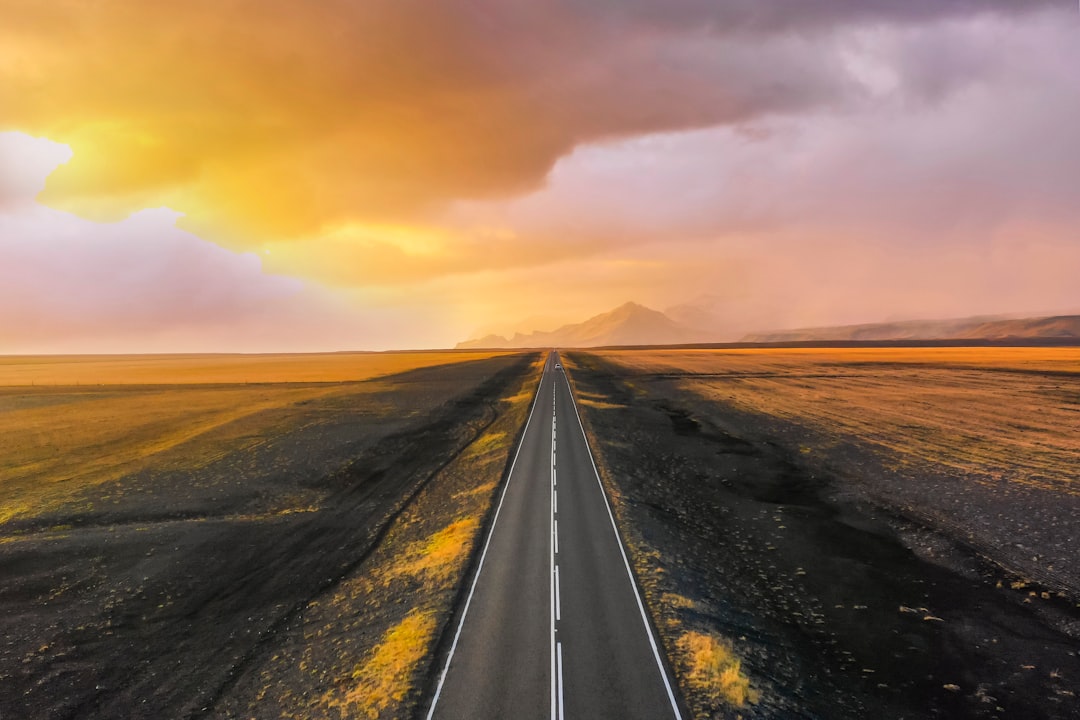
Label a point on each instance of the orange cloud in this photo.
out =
(281, 119)
(487, 160)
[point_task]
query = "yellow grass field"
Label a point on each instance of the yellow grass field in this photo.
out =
(216, 369)
(845, 360)
(295, 548)
(1009, 413)
(165, 412)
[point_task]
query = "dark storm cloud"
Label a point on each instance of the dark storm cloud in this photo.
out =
(769, 16)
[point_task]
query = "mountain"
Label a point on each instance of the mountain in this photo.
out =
(629, 324)
(1058, 326)
(973, 328)
(704, 311)
(701, 321)
(716, 317)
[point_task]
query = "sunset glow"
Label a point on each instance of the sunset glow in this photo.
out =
(257, 176)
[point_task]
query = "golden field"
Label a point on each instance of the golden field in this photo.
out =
(217, 369)
(295, 547)
(130, 413)
(743, 360)
(1008, 413)
(822, 531)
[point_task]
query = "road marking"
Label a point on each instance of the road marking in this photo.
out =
(557, 711)
(553, 445)
(483, 553)
(558, 596)
(562, 714)
(555, 682)
(626, 563)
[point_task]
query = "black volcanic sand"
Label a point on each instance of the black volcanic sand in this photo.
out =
(154, 604)
(831, 611)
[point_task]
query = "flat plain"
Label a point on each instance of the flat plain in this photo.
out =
(818, 533)
(201, 369)
(981, 411)
(851, 531)
(69, 423)
(194, 536)
(983, 442)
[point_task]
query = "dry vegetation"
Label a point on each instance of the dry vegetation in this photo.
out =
(998, 413)
(827, 360)
(365, 649)
(711, 668)
(381, 679)
(218, 369)
(294, 546)
(54, 443)
(847, 532)
(57, 441)
(980, 443)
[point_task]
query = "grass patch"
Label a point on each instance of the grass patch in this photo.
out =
(432, 561)
(95, 436)
(199, 369)
(713, 670)
(488, 443)
(993, 412)
(522, 397)
(599, 404)
(678, 602)
(382, 678)
(170, 413)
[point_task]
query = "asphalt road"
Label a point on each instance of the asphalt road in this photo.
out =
(553, 625)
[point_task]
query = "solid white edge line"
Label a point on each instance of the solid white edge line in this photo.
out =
(626, 563)
(487, 543)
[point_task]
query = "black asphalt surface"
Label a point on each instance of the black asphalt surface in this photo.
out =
(553, 625)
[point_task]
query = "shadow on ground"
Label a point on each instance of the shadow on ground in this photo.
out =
(736, 533)
(159, 594)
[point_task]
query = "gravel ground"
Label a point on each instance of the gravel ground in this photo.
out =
(843, 596)
(169, 596)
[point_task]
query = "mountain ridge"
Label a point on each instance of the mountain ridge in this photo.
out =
(633, 324)
(629, 324)
(972, 328)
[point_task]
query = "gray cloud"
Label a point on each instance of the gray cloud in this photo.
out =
(913, 199)
(772, 16)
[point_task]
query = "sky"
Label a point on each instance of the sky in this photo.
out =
(265, 175)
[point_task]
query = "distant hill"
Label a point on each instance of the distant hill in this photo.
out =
(634, 324)
(628, 324)
(704, 311)
(1058, 326)
(974, 328)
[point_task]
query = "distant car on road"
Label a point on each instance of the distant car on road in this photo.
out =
(557, 366)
